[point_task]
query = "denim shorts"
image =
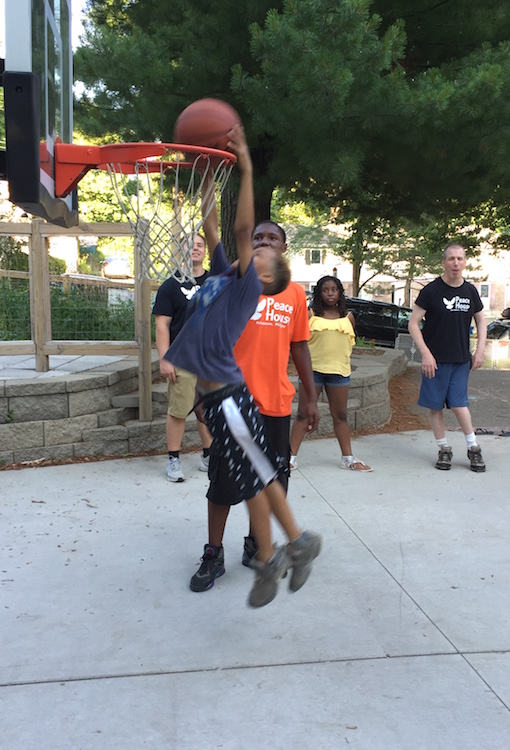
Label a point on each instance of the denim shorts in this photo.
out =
(448, 387)
(322, 379)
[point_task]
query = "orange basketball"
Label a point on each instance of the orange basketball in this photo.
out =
(206, 122)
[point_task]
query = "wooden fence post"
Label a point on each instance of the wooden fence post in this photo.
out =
(40, 307)
(143, 320)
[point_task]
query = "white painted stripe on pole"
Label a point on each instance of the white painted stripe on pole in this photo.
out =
(233, 417)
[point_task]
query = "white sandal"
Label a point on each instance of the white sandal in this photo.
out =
(354, 464)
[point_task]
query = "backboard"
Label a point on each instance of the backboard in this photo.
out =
(38, 103)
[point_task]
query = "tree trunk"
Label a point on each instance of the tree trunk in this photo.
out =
(263, 193)
(356, 273)
(407, 293)
(263, 206)
(228, 217)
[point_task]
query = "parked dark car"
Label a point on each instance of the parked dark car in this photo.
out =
(380, 322)
(499, 330)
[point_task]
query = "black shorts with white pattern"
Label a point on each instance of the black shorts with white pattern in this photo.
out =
(239, 437)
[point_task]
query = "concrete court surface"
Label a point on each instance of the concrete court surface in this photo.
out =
(400, 640)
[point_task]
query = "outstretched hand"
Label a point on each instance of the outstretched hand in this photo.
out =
(239, 146)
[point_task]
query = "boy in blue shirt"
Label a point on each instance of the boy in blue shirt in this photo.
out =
(221, 310)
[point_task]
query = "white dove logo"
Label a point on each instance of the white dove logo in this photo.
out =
(449, 303)
(188, 293)
(258, 312)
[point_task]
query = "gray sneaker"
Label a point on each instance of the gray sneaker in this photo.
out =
(444, 458)
(267, 576)
(174, 472)
(204, 463)
(476, 462)
(302, 551)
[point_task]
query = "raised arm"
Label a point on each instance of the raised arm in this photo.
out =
(245, 214)
(210, 213)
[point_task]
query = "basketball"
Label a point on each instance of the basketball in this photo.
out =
(206, 122)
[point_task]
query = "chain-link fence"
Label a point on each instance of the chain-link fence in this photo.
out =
(497, 352)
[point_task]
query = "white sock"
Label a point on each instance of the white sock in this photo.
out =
(471, 440)
(442, 441)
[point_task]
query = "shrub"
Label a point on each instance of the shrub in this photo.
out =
(12, 257)
(57, 266)
(14, 310)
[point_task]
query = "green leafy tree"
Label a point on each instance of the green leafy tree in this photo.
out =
(144, 61)
(377, 110)
(436, 129)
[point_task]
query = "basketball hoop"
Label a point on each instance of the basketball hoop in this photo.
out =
(159, 187)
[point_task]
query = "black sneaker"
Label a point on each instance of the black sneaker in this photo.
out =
(212, 568)
(475, 458)
(249, 551)
(444, 458)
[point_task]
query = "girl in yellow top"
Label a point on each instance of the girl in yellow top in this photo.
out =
(332, 339)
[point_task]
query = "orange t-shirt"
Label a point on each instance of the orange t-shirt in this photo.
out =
(262, 352)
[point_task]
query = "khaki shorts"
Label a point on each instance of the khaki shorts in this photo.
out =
(181, 394)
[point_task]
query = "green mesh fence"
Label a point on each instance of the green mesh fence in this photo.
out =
(14, 310)
(78, 312)
(82, 312)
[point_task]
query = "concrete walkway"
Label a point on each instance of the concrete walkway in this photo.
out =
(22, 366)
(400, 640)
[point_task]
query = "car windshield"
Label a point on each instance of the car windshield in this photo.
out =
(403, 318)
(497, 330)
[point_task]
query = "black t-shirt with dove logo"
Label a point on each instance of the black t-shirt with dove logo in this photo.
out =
(172, 300)
(448, 314)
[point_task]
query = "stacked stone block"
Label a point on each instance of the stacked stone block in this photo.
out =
(96, 413)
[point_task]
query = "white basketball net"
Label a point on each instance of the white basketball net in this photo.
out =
(162, 200)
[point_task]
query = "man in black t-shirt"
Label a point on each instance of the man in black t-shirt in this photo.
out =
(170, 309)
(448, 305)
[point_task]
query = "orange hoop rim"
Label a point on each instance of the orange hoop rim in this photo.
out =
(73, 160)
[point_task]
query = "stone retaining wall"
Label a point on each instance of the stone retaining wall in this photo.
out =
(95, 413)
